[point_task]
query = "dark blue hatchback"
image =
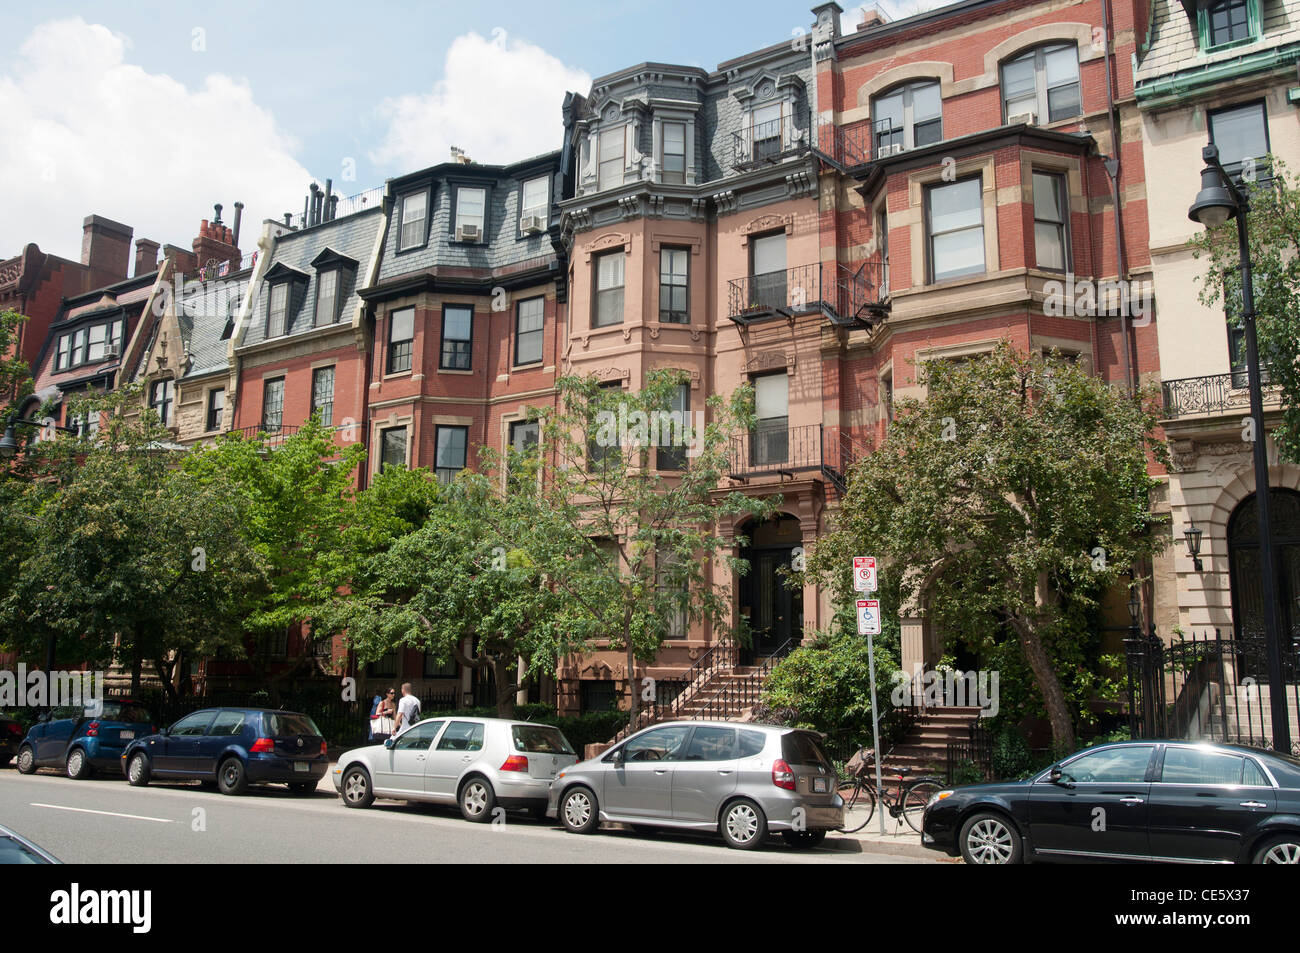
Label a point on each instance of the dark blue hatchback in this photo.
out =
(233, 747)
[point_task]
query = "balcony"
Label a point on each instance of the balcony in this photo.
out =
(766, 143)
(1213, 394)
(270, 438)
(847, 296)
(777, 450)
(846, 147)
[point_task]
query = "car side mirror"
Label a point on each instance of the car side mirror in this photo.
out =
(388, 742)
(619, 758)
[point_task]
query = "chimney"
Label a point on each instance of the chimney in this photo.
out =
(334, 207)
(146, 256)
(215, 243)
(329, 195)
(314, 204)
(182, 261)
(106, 247)
(872, 17)
(239, 213)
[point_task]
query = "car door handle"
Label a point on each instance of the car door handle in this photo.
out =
(1253, 804)
(419, 757)
(724, 771)
(466, 759)
(1130, 801)
(661, 770)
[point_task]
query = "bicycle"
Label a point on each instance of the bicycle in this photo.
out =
(860, 795)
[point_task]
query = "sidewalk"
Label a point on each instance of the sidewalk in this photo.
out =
(896, 840)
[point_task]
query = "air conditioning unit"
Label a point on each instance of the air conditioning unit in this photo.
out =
(1029, 118)
(893, 149)
(531, 224)
(110, 352)
(468, 233)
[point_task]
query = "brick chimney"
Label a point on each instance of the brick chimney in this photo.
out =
(146, 256)
(106, 247)
(872, 17)
(216, 242)
(183, 261)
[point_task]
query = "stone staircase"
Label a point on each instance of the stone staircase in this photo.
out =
(1243, 716)
(924, 749)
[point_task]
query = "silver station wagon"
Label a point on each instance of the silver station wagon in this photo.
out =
(740, 780)
(479, 764)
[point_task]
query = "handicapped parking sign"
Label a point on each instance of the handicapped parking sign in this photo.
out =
(868, 617)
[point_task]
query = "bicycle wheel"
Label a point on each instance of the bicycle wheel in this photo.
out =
(915, 801)
(859, 806)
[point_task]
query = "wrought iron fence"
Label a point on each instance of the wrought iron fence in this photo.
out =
(1211, 394)
(844, 293)
(776, 449)
(976, 750)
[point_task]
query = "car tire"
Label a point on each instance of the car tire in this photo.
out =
(77, 764)
(477, 800)
(302, 788)
(138, 771)
(743, 825)
(27, 760)
(232, 778)
(355, 788)
(989, 838)
(803, 840)
(1279, 850)
(579, 810)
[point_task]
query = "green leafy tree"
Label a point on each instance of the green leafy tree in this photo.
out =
(1005, 505)
(1274, 240)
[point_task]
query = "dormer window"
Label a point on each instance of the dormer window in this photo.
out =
(673, 161)
(88, 345)
(1042, 85)
(766, 131)
(327, 297)
(414, 217)
(284, 297)
(534, 202)
(908, 117)
(334, 272)
(277, 310)
(471, 214)
(610, 170)
(1228, 23)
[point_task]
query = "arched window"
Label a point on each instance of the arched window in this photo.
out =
(907, 117)
(1042, 83)
(1246, 578)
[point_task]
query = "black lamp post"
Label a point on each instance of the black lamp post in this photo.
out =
(1219, 200)
(1193, 535)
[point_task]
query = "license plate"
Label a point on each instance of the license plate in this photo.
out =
(301, 766)
(820, 785)
(126, 734)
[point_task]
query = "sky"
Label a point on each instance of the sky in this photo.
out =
(149, 113)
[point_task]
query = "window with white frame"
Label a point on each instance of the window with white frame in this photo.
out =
(908, 117)
(766, 130)
(471, 205)
(451, 446)
(535, 201)
(1043, 82)
(609, 289)
(415, 212)
(672, 161)
(770, 440)
(609, 171)
(954, 218)
(273, 405)
(1051, 221)
(529, 315)
(401, 339)
(674, 285)
(277, 310)
(322, 394)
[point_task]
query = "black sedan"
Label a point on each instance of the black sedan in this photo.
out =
(1161, 801)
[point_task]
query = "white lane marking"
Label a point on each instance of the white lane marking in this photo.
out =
(86, 810)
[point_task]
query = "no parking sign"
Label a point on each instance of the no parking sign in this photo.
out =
(864, 573)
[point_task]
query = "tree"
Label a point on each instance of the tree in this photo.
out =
(1274, 241)
(1005, 505)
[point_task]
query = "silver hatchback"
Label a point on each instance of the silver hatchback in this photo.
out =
(742, 780)
(480, 764)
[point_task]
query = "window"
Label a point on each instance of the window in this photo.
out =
(766, 131)
(909, 117)
(392, 448)
(450, 453)
(401, 335)
(767, 274)
(711, 744)
(528, 330)
(277, 310)
(674, 285)
(470, 208)
(415, 208)
(1201, 766)
(78, 348)
(1127, 765)
(457, 337)
(955, 225)
(435, 667)
(673, 163)
(672, 583)
(658, 744)
(599, 445)
(597, 695)
(95, 342)
(227, 724)
(385, 667)
(1051, 218)
(1228, 22)
(882, 248)
(192, 726)
(1043, 82)
(1241, 133)
(216, 407)
(273, 405)
(322, 394)
(524, 435)
(609, 171)
(671, 452)
(161, 395)
(418, 738)
(61, 354)
(609, 289)
(770, 441)
(536, 200)
(327, 297)
(462, 736)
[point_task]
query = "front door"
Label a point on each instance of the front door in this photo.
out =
(775, 606)
(1098, 808)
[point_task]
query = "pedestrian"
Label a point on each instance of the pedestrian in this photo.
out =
(408, 709)
(374, 709)
(381, 726)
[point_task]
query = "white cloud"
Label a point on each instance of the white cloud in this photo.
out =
(88, 132)
(499, 100)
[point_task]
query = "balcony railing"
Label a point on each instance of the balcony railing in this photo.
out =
(768, 142)
(269, 437)
(1213, 394)
(845, 146)
(773, 449)
(845, 295)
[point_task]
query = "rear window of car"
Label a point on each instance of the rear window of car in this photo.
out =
(751, 743)
(281, 723)
(540, 739)
(124, 711)
(800, 747)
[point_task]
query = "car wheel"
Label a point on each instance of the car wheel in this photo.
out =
(231, 777)
(137, 770)
(27, 760)
(356, 788)
(77, 764)
(302, 788)
(579, 811)
(477, 800)
(803, 840)
(743, 825)
(1279, 850)
(990, 839)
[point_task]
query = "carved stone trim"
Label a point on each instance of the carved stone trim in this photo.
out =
(767, 223)
(770, 360)
(607, 242)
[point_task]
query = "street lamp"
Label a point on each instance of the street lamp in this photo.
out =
(1219, 200)
(1193, 535)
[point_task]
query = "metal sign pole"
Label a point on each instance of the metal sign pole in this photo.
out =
(875, 729)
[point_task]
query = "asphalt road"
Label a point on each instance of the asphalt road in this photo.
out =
(108, 821)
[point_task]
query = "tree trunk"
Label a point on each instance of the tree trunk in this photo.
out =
(501, 668)
(1058, 713)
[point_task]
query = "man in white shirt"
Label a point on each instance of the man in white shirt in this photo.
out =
(408, 709)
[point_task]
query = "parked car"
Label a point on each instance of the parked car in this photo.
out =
(82, 739)
(16, 849)
(11, 736)
(233, 748)
(479, 764)
(1165, 801)
(739, 780)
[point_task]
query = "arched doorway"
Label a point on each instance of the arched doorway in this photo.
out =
(774, 607)
(1247, 583)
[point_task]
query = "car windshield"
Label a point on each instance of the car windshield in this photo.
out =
(16, 852)
(540, 739)
(281, 723)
